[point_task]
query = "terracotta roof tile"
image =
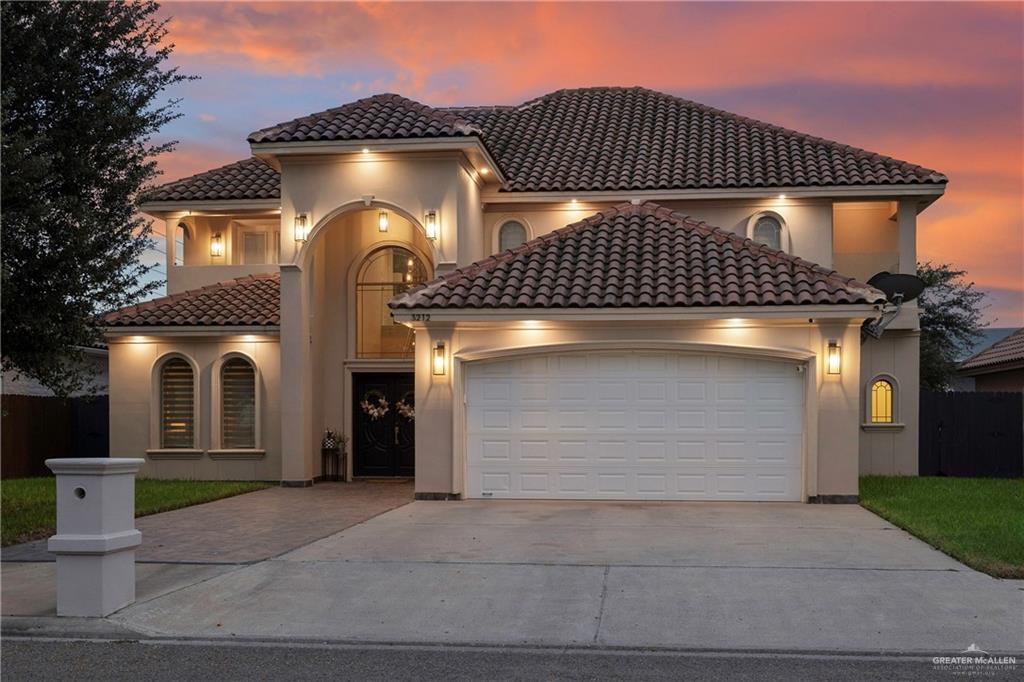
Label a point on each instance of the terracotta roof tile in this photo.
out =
(588, 139)
(609, 138)
(1008, 351)
(638, 256)
(379, 117)
(246, 179)
(254, 300)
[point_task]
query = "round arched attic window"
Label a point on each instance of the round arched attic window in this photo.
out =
(511, 235)
(768, 231)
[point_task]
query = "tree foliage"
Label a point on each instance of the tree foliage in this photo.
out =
(81, 82)
(951, 310)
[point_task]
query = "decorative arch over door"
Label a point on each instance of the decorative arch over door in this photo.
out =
(384, 274)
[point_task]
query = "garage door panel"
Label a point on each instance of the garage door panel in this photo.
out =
(635, 425)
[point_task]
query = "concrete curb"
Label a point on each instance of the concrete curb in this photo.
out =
(100, 629)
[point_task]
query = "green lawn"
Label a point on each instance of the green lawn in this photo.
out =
(28, 506)
(979, 521)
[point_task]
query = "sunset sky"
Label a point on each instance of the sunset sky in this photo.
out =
(937, 84)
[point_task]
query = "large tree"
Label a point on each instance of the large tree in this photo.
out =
(81, 100)
(951, 310)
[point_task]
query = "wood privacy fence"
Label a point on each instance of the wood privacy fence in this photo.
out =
(972, 434)
(37, 428)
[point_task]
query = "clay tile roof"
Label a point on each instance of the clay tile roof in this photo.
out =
(246, 179)
(638, 256)
(1000, 355)
(608, 138)
(587, 139)
(253, 300)
(379, 117)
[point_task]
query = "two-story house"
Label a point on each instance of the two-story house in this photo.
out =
(602, 293)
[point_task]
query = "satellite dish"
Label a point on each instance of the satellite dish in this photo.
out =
(901, 287)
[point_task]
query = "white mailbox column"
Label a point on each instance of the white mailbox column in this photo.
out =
(96, 537)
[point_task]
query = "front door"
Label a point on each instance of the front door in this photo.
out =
(384, 423)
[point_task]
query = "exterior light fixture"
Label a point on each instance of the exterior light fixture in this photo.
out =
(834, 357)
(439, 359)
(217, 245)
(301, 227)
(430, 222)
(485, 170)
(366, 150)
(382, 221)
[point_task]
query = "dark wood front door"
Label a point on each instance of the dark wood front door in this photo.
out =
(384, 424)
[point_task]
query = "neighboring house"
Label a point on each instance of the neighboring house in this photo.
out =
(673, 310)
(1000, 367)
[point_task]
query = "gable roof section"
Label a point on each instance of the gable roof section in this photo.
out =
(387, 116)
(609, 138)
(1004, 354)
(246, 179)
(250, 301)
(638, 256)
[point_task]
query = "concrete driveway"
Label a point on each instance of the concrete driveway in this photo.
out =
(674, 575)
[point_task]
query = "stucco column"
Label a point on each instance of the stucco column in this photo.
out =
(296, 379)
(839, 415)
(906, 218)
(435, 477)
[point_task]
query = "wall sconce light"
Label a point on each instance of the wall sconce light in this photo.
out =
(301, 227)
(217, 245)
(382, 221)
(834, 357)
(430, 222)
(439, 359)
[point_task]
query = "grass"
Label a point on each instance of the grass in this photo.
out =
(28, 506)
(978, 521)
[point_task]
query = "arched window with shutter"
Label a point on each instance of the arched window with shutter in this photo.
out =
(238, 411)
(177, 404)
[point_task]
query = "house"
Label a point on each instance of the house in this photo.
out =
(601, 293)
(999, 367)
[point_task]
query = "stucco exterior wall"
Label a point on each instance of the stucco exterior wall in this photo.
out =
(865, 238)
(831, 423)
(809, 222)
(891, 449)
(132, 406)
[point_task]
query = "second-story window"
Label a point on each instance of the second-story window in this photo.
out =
(511, 235)
(180, 235)
(768, 231)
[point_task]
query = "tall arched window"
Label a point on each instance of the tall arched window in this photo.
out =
(177, 404)
(768, 231)
(180, 235)
(882, 394)
(386, 273)
(237, 404)
(511, 235)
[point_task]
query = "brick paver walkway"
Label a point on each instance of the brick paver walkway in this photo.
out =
(254, 526)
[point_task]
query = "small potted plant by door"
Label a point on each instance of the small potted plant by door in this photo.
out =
(330, 448)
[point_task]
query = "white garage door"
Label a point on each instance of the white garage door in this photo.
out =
(634, 425)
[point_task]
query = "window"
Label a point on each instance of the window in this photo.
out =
(881, 402)
(386, 273)
(768, 231)
(177, 404)
(511, 235)
(238, 404)
(254, 248)
(180, 235)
